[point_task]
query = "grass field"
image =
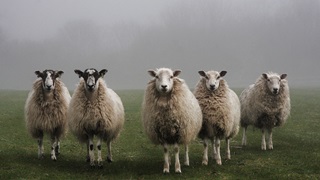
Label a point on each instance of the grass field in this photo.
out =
(296, 153)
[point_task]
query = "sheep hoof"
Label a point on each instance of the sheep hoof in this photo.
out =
(178, 171)
(100, 166)
(53, 157)
(186, 163)
(205, 162)
(109, 160)
(165, 171)
(92, 166)
(41, 156)
(219, 161)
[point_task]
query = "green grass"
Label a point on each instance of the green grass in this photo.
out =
(296, 153)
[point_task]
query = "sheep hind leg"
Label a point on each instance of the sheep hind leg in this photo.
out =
(109, 156)
(228, 148)
(186, 158)
(217, 147)
(263, 140)
(100, 164)
(57, 149)
(244, 136)
(270, 143)
(177, 161)
(205, 152)
(40, 146)
(54, 144)
(166, 159)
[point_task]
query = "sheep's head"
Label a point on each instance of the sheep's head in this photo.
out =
(164, 79)
(48, 78)
(90, 77)
(212, 79)
(273, 81)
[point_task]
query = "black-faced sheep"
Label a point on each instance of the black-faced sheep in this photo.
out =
(95, 110)
(46, 110)
(265, 104)
(171, 114)
(221, 112)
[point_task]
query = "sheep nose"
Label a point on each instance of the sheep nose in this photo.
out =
(164, 86)
(275, 90)
(212, 86)
(91, 86)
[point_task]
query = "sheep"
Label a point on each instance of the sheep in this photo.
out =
(171, 114)
(221, 112)
(95, 110)
(265, 105)
(46, 110)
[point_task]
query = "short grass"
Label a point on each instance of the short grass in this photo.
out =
(296, 153)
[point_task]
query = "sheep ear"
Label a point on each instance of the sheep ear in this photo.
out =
(152, 73)
(223, 73)
(80, 73)
(38, 73)
(103, 72)
(283, 76)
(202, 73)
(265, 75)
(59, 73)
(176, 73)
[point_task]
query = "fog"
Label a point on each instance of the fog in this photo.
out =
(243, 37)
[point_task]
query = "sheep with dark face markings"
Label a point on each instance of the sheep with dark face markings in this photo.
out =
(171, 114)
(265, 104)
(46, 110)
(221, 112)
(95, 110)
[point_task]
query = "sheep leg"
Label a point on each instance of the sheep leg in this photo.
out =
(186, 159)
(244, 136)
(214, 150)
(40, 146)
(54, 142)
(91, 151)
(100, 164)
(228, 148)
(217, 147)
(263, 141)
(177, 161)
(88, 157)
(57, 149)
(270, 143)
(205, 152)
(109, 156)
(166, 159)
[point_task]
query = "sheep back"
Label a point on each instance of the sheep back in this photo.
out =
(47, 115)
(171, 118)
(220, 109)
(262, 109)
(103, 116)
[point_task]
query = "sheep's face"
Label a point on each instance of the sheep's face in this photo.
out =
(48, 78)
(274, 82)
(212, 79)
(90, 77)
(164, 79)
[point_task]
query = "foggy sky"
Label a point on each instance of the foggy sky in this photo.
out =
(243, 37)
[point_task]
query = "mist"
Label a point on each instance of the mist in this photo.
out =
(244, 37)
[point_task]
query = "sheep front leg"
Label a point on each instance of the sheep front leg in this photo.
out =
(40, 147)
(263, 141)
(217, 147)
(166, 159)
(100, 164)
(186, 159)
(91, 151)
(270, 143)
(54, 142)
(177, 161)
(205, 152)
(244, 137)
(109, 156)
(228, 148)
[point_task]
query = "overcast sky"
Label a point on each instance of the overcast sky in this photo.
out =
(128, 37)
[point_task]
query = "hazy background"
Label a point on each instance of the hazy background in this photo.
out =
(128, 37)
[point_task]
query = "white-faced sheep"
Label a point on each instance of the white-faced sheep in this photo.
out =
(171, 114)
(265, 105)
(95, 110)
(221, 112)
(46, 110)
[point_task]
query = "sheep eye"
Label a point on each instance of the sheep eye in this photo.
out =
(218, 77)
(157, 77)
(171, 77)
